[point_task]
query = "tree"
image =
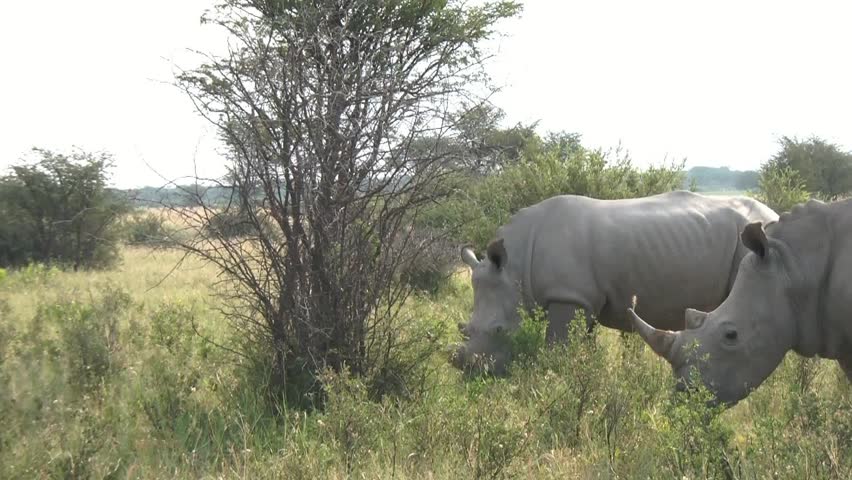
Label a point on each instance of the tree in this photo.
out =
(59, 209)
(481, 146)
(824, 168)
(319, 103)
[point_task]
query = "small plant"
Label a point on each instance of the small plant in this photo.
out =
(694, 439)
(170, 328)
(529, 339)
(89, 336)
(35, 273)
(497, 442)
(353, 423)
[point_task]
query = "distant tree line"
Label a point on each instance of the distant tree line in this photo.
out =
(179, 195)
(722, 179)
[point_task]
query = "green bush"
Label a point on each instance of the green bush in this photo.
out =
(780, 188)
(694, 439)
(146, 229)
(34, 274)
(574, 372)
(529, 339)
(89, 336)
(481, 205)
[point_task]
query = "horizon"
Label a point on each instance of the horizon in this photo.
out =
(717, 85)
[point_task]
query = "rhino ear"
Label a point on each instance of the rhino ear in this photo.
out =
(497, 253)
(694, 318)
(754, 238)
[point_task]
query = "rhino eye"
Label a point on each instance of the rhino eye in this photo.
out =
(731, 335)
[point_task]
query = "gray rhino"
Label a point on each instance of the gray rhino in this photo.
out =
(793, 292)
(676, 250)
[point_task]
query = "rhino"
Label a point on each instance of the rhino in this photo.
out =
(793, 292)
(573, 253)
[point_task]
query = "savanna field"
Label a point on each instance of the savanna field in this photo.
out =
(117, 374)
(288, 311)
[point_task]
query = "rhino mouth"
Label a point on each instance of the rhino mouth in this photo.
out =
(479, 363)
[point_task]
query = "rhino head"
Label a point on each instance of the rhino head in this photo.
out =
(496, 298)
(735, 347)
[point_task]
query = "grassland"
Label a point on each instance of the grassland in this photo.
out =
(104, 375)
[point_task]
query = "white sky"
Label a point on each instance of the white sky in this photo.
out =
(715, 82)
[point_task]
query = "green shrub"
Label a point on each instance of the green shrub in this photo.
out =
(89, 336)
(353, 423)
(170, 328)
(146, 229)
(802, 425)
(34, 274)
(781, 188)
(694, 438)
(482, 205)
(574, 370)
(529, 339)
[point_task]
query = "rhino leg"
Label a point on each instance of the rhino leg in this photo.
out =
(559, 316)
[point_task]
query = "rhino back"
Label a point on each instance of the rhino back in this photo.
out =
(673, 251)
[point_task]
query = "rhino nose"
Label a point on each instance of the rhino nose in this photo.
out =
(463, 330)
(457, 357)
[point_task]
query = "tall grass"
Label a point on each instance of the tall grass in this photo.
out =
(103, 375)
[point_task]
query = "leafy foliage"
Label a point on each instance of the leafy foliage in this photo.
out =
(481, 145)
(561, 166)
(146, 228)
(781, 187)
(823, 167)
(528, 340)
(59, 209)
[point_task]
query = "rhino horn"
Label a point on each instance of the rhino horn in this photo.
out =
(469, 257)
(661, 341)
